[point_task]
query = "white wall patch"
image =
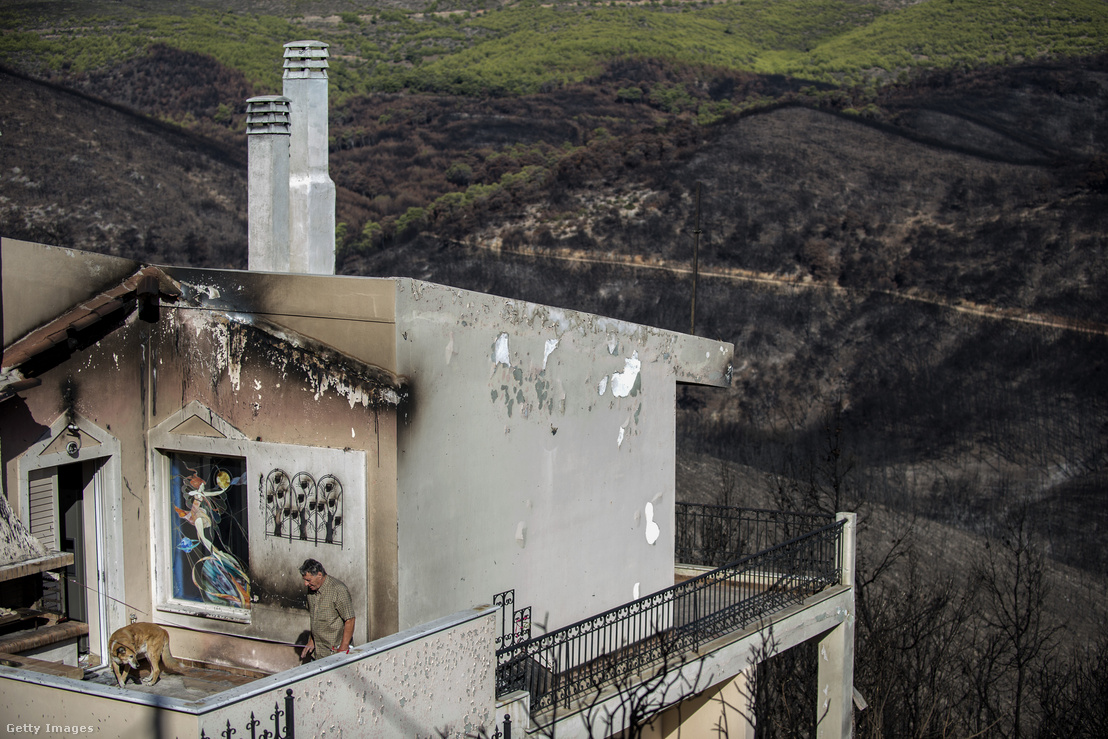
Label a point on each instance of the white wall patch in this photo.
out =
(653, 531)
(624, 382)
(551, 345)
(500, 350)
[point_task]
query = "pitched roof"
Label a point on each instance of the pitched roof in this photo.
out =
(82, 325)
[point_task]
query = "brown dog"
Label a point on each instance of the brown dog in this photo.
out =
(141, 641)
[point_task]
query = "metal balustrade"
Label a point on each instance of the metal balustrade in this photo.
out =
(714, 535)
(622, 645)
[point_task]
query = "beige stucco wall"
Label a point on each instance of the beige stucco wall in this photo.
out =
(435, 680)
(725, 709)
(104, 389)
(40, 710)
(537, 454)
(275, 394)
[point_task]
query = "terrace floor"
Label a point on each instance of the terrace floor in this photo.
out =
(200, 681)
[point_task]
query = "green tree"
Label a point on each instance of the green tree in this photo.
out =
(459, 173)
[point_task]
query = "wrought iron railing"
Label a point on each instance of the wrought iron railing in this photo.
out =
(288, 714)
(617, 647)
(515, 623)
(713, 535)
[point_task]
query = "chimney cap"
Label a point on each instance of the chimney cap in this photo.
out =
(306, 50)
(267, 114)
(306, 59)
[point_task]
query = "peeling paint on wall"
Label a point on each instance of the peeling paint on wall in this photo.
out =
(551, 345)
(653, 531)
(627, 382)
(501, 355)
(513, 385)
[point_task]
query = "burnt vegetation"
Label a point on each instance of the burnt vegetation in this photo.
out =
(914, 278)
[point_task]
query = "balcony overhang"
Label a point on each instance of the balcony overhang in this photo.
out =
(688, 674)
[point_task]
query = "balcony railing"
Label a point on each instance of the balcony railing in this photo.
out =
(714, 535)
(618, 647)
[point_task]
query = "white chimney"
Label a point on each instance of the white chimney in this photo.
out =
(267, 128)
(311, 191)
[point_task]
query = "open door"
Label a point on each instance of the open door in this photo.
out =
(71, 501)
(65, 517)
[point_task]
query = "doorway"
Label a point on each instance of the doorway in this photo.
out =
(65, 515)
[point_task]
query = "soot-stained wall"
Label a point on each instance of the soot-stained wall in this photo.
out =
(200, 387)
(311, 425)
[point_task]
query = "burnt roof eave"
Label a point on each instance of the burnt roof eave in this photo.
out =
(80, 327)
(327, 358)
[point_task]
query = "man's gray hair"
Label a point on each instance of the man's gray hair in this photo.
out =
(312, 567)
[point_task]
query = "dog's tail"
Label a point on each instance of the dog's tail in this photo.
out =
(171, 665)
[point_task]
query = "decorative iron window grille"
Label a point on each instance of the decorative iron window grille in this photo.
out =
(570, 663)
(301, 507)
(515, 625)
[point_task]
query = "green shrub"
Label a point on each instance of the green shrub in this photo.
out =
(629, 94)
(412, 220)
(372, 235)
(459, 173)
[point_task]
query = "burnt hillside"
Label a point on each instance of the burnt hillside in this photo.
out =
(922, 267)
(78, 172)
(932, 276)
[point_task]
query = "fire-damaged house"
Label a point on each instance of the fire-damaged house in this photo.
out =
(494, 480)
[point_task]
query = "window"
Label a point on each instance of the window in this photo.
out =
(226, 546)
(209, 530)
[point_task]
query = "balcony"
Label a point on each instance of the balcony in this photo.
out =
(784, 579)
(766, 568)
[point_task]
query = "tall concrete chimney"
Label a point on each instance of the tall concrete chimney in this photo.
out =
(311, 191)
(267, 129)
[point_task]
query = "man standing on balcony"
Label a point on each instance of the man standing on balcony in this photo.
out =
(331, 610)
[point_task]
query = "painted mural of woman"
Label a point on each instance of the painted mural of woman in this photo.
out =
(218, 575)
